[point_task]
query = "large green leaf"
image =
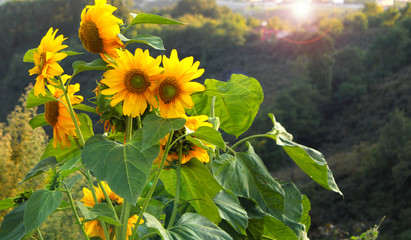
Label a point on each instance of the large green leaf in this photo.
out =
(155, 128)
(198, 187)
(34, 101)
(6, 203)
(38, 121)
(153, 41)
(151, 18)
(61, 154)
(293, 209)
(80, 66)
(230, 210)
(311, 161)
(268, 227)
(12, 227)
(235, 175)
(39, 206)
(237, 102)
(246, 175)
(125, 167)
(210, 135)
(42, 166)
(100, 211)
(196, 227)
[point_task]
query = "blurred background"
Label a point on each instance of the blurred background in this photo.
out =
(335, 73)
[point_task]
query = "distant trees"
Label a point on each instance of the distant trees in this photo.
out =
(20, 149)
(356, 21)
(207, 8)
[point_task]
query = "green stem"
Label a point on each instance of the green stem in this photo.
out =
(152, 234)
(139, 125)
(125, 211)
(174, 213)
(93, 191)
(247, 139)
(75, 213)
(71, 111)
(151, 191)
(212, 114)
(39, 233)
(129, 128)
(231, 150)
(125, 215)
(108, 200)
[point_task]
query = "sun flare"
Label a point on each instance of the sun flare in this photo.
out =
(301, 10)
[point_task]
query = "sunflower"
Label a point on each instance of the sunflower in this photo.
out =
(88, 199)
(189, 150)
(133, 81)
(99, 28)
(175, 88)
(45, 58)
(94, 228)
(57, 115)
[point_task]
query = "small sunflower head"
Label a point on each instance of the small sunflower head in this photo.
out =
(53, 180)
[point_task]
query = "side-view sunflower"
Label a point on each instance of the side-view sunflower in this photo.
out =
(57, 115)
(99, 28)
(133, 81)
(175, 88)
(94, 228)
(45, 58)
(189, 150)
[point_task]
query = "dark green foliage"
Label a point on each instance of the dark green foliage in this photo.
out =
(356, 21)
(388, 52)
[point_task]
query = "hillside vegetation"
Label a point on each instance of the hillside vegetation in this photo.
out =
(346, 93)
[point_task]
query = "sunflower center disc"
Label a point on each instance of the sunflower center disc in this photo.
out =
(90, 37)
(51, 112)
(42, 63)
(136, 81)
(168, 90)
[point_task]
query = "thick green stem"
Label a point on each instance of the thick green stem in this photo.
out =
(125, 211)
(139, 124)
(174, 213)
(75, 214)
(151, 191)
(71, 111)
(247, 139)
(124, 220)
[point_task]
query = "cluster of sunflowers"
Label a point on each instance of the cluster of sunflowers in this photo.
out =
(135, 82)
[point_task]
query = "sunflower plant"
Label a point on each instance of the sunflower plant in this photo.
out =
(161, 169)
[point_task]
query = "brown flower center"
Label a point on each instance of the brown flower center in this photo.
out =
(51, 112)
(43, 61)
(136, 81)
(90, 37)
(168, 90)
